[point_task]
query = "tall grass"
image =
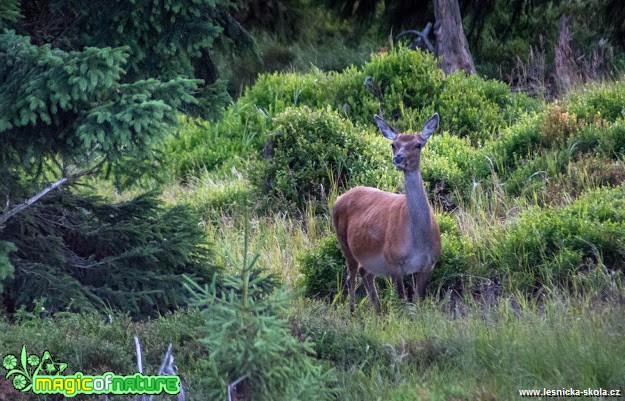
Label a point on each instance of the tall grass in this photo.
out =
(430, 352)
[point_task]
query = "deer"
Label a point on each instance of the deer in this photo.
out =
(386, 234)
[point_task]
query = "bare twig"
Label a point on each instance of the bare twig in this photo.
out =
(168, 368)
(10, 213)
(19, 208)
(233, 385)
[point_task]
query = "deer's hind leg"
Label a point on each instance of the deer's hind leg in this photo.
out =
(369, 281)
(352, 273)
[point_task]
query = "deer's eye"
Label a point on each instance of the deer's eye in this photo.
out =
(418, 146)
(393, 146)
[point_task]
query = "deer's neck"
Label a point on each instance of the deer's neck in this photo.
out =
(419, 210)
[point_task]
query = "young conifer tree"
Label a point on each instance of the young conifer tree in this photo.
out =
(89, 87)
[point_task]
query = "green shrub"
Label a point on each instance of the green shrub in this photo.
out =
(202, 145)
(515, 143)
(346, 345)
(309, 152)
(458, 262)
(324, 269)
(401, 79)
(596, 100)
(547, 247)
(612, 141)
(450, 165)
(533, 173)
(278, 91)
(405, 85)
(215, 196)
(472, 107)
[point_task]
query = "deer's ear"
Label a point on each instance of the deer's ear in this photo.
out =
(386, 129)
(429, 127)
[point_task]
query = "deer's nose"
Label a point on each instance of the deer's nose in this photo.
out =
(399, 159)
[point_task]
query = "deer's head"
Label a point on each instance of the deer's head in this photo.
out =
(407, 147)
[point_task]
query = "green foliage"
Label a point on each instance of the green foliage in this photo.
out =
(342, 344)
(200, 145)
(450, 165)
(6, 268)
(484, 107)
(63, 114)
(406, 85)
(69, 110)
(177, 40)
(397, 80)
(598, 100)
(612, 140)
(247, 338)
(9, 13)
(81, 253)
(401, 79)
(309, 151)
(323, 268)
(458, 263)
(515, 143)
(548, 247)
(215, 197)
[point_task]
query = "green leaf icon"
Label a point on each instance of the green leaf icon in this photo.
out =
(51, 367)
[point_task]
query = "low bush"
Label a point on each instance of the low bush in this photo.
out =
(479, 111)
(215, 197)
(458, 263)
(323, 269)
(612, 142)
(598, 100)
(312, 151)
(396, 83)
(515, 143)
(338, 341)
(548, 247)
(450, 165)
(208, 146)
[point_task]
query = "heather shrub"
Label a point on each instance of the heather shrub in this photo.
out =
(323, 269)
(549, 246)
(311, 151)
(597, 100)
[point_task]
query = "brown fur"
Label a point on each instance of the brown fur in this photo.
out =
(375, 230)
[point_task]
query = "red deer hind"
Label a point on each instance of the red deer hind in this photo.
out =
(386, 234)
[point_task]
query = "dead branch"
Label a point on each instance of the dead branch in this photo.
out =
(10, 213)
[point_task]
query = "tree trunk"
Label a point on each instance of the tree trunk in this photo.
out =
(451, 43)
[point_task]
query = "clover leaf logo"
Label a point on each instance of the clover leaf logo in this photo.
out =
(30, 367)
